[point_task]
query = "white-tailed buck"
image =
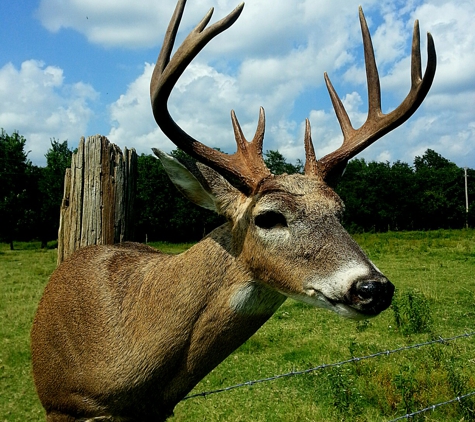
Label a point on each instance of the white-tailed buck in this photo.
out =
(124, 332)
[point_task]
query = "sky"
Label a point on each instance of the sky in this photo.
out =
(73, 68)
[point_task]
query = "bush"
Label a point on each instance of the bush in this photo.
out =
(412, 313)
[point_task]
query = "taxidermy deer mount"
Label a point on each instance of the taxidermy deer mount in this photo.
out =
(124, 332)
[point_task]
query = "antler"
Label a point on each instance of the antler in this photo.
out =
(245, 169)
(377, 124)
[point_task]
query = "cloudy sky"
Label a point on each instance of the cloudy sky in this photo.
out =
(72, 68)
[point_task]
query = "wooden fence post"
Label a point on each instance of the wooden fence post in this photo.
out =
(99, 196)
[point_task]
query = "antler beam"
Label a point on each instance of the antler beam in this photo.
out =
(377, 123)
(245, 168)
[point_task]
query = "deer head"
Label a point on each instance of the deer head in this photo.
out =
(286, 228)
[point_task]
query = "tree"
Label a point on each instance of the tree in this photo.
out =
(402, 197)
(162, 211)
(441, 192)
(15, 174)
(50, 189)
(431, 160)
(378, 196)
(277, 163)
(381, 196)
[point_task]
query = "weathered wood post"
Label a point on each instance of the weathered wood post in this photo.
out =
(99, 195)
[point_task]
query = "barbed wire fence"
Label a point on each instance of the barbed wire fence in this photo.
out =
(352, 360)
(433, 407)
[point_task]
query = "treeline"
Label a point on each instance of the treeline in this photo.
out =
(30, 196)
(430, 194)
(378, 197)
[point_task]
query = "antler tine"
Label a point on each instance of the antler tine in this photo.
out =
(243, 169)
(169, 41)
(311, 163)
(341, 114)
(377, 124)
(167, 71)
(416, 66)
(372, 76)
(250, 153)
(256, 143)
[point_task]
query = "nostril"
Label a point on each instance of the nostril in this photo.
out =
(367, 289)
(371, 296)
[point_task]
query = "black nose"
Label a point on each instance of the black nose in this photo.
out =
(372, 296)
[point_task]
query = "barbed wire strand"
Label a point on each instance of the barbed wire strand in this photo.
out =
(433, 407)
(330, 365)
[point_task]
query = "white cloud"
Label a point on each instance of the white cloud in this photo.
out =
(35, 101)
(384, 156)
(106, 22)
(451, 24)
(132, 120)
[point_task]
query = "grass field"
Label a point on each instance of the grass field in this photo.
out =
(434, 273)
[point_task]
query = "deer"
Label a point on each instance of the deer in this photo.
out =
(124, 332)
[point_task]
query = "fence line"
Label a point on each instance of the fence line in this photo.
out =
(433, 407)
(330, 365)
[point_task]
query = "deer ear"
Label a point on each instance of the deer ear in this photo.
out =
(186, 182)
(226, 195)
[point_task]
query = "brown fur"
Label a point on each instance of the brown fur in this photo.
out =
(125, 332)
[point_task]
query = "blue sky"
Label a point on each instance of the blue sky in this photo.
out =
(72, 68)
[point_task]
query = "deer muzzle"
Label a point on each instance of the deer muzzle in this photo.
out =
(363, 295)
(371, 296)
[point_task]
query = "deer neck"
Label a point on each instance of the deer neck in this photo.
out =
(219, 310)
(223, 278)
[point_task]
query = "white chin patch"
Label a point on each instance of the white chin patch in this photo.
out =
(348, 312)
(255, 298)
(319, 300)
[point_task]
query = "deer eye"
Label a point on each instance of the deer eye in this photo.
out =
(270, 220)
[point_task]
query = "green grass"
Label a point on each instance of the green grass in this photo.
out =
(434, 273)
(23, 275)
